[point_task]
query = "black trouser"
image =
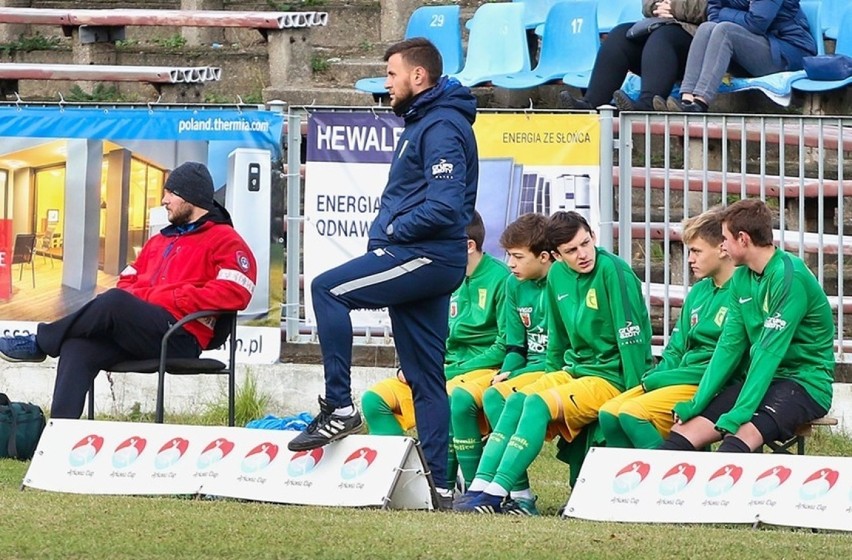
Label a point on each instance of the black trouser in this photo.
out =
(113, 327)
(659, 58)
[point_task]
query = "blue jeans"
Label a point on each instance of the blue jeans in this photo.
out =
(713, 49)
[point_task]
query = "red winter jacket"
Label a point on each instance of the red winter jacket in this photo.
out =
(207, 267)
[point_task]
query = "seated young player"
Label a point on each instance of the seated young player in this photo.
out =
(780, 319)
(598, 345)
(642, 417)
(526, 342)
(475, 345)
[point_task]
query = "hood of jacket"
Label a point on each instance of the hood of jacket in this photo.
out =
(448, 92)
(217, 215)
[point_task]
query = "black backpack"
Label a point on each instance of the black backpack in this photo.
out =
(21, 425)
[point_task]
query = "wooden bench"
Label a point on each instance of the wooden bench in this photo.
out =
(110, 73)
(288, 49)
(798, 439)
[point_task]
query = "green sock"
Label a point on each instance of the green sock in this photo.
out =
(452, 462)
(642, 433)
(467, 439)
(379, 416)
(493, 403)
(525, 445)
(613, 431)
(499, 438)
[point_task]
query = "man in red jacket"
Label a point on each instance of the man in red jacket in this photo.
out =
(198, 262)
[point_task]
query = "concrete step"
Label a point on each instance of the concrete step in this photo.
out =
(344, 73)
(320, 96)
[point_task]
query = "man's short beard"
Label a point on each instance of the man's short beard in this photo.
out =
(181, 218)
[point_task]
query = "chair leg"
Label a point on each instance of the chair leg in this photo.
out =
(32, 267)
(92, 400)
(231, 397)
(160, 394)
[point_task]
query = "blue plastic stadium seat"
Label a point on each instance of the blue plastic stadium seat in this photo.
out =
(614, 12)
(439, 24)
(535, 12)
(832, 15)
(497, 44)
(779, 86)
(569, 45)
(843, 46)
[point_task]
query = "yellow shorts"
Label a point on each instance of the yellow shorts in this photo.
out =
(476, 386)
(573, 403)
(655, 407)
(399, 399)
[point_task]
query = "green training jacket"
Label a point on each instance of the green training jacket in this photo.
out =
(783, 321)
(526, 326)
(598, 323)
(694, 337)
(476, 339)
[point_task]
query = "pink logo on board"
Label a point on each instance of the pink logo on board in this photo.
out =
(357, 463)
(259, 457)
(818, 484)
(215, 451)
(769, 480)
(723, 480)
(84, 451)
(303, 462)
(677, 478)
(170, 453)
(630, 476)
(128, 451)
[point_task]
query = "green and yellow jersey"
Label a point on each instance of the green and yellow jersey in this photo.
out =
(598, 324)
(526, 326)
(476, 339)
(693, 338)
(782, 320)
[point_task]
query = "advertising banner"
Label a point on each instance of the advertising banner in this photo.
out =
(86, 185)
(529, 162)
(93, 457)
(653, 486)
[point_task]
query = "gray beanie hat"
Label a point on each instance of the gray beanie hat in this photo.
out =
(192, 182)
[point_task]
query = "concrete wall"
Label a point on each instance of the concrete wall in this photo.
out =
(292, 387)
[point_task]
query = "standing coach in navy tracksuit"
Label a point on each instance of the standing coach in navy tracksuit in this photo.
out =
(418, 253)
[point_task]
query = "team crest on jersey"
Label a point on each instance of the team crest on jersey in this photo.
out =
(720, 316)
(592, 299)
(454, 308)
(483, 297)
(243, 261)
(693, 319)
(525, 319)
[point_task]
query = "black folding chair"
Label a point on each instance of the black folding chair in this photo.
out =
(23, 252)
(225, 330)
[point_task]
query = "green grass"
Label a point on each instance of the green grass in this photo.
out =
(51, 525)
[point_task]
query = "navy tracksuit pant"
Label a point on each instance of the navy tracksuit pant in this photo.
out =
(415, 284)
(113, 327)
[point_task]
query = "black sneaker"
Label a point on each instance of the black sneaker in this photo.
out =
(21, 348)
(445, 500)
(568, 101)
(326, 428)
(622, 101)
